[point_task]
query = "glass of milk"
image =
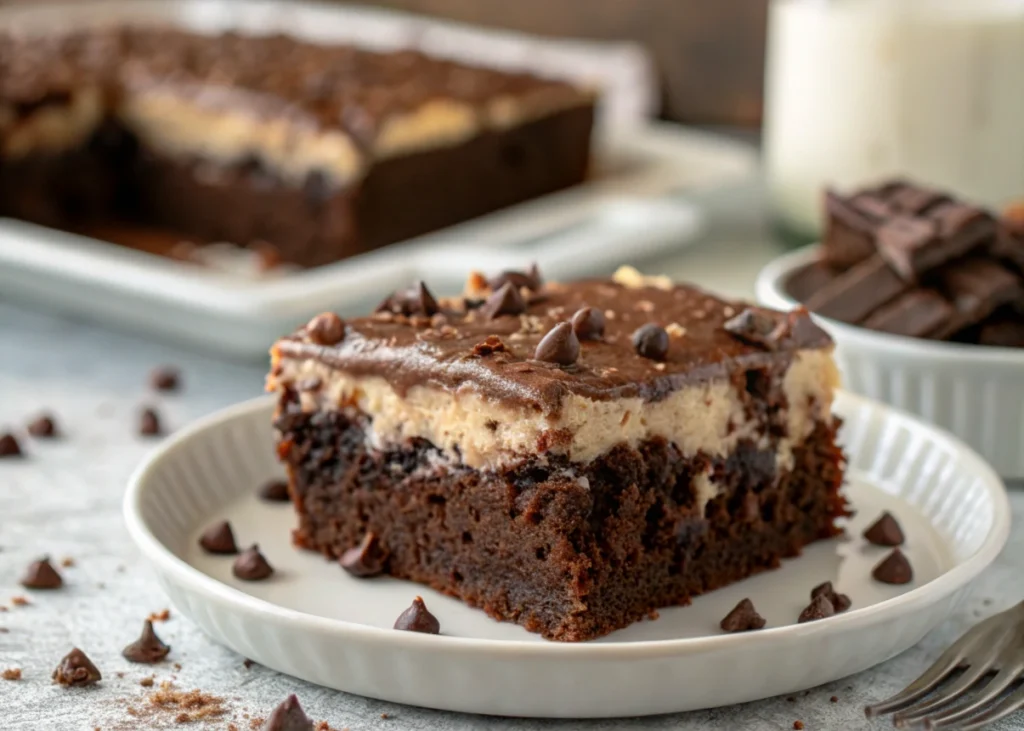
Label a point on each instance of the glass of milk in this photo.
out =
(860, 90)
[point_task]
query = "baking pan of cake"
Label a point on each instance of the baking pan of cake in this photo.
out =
(181, 169)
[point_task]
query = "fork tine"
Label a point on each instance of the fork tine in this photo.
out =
(992, 690)
(921, 687)
(1010, 704)
(950, 694)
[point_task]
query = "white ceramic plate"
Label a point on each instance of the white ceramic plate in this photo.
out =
(313, 621)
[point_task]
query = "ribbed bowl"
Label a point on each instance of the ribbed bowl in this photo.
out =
(975, 392)
(313, 621)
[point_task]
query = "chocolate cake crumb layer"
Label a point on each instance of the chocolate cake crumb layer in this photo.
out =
(572, 485)
(312, 148)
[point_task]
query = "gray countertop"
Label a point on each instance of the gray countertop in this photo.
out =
(65, 500)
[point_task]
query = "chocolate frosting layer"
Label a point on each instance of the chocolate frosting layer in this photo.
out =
(463, 347)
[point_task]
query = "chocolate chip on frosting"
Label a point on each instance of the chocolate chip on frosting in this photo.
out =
(326, 329)
(560, 345)
(530, 280)
(758, 327)
(506, 301)
(588, 323)
(651, 341)
(414, 301)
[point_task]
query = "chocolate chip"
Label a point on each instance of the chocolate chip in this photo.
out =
(415, 301)
(77, 670)
(894, 569)
(326, 329)
(885, 531)
(41, 575)
(149, 423)
(559, 346)
(148, 648)
(839, 602)
(417, 619)
(506, 301)
(219, 539)
(9, 446)
(588, 323)
(530, 280)
(251, 565)
(758, 327)
(819, 608)
(742, 618)
(275, 491)
(288, 716)
(651, 341)
(165, 378)
(366, 559)
(43, 427)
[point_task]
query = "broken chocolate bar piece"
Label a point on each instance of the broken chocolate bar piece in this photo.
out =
(850, 229)
(857, 292)
(916, 313)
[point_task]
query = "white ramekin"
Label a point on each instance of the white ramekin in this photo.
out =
(977, 393)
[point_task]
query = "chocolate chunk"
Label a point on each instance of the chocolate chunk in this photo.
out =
(77, 670)
(588, 323)
(288, 716)
(807, 280)
(492, 344)
(849, 232)
(41, 575)
(43, 427)
(978, 287)
(251, 565)
(915, 200)
(858, 291)
(963, 228)
(275, 491)
(366, 559)
(417, 619)
(819, 608)
(894, 569)
(149, 423)
(415, 301)
(165, 378)
(1003, 331)
(326, 329)
(885, 531)
(559, 346)
(148, 648)
(219, 539)
(742, 618)
(907, 243)
(9, 446)
(506, 301)
(840, 602)
(651, 341)
(758, 327)
(916, 313)
(530, 280)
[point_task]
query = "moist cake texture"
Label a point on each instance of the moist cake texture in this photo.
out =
(321, 151)
(526, 448)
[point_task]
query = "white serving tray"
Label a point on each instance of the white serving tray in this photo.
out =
(632, 207)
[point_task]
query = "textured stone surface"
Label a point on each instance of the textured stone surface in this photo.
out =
(65, 500)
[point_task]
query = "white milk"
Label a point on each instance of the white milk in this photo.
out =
(858, 90)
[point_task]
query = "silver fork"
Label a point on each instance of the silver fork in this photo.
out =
(993, 649)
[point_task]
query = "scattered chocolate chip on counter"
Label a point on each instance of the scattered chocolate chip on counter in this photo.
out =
(742, 618)
(165, 378)
(162, 616)
(148, 681)
(366, 559)
(251, 565)
(418, 619)
(149, 423)
(288, 716)
(20, 601)
(219, 539)
(506, 301)
(9, 446)
(894, 569)
(41, 575)
(840, 602)
(885, 531)
(834, 699)
(819, 608)
(757, 327)
(43, 426)
(798, 725)
(275, 491)
(148, 648)
(76, 670)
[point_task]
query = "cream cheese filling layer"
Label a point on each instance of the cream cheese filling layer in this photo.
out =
(52, 128)
(704, 418)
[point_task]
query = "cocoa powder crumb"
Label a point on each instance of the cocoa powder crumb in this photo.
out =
(11, 674)
(798, 725)
(255, 724)
(384, 716)
(183, 718)
(233, 727)
(67, 562)
(248, 663)
(177, 666)
(162, 616)
(120, 674)
(147, 682)
(20, 601)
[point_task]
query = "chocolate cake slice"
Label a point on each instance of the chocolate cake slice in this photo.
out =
(566, 456)
(320, 152)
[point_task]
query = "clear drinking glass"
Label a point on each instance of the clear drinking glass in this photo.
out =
(860, 90)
